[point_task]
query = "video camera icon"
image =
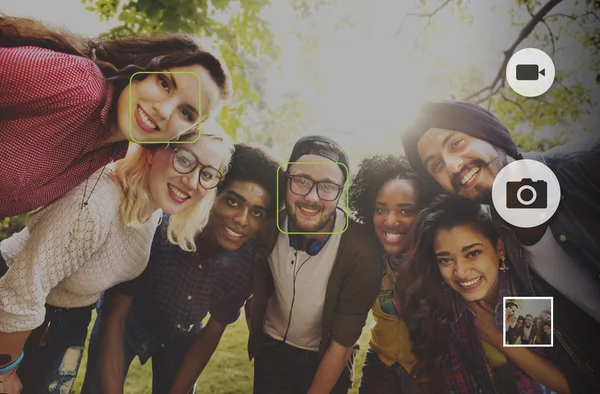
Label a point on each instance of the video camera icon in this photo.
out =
(530, 72)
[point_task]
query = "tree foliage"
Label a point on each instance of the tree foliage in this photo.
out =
(9, 226)
(564, 29)
(236, 28)
(546, 25)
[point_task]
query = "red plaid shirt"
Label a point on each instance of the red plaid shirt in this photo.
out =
(470, 370)
(54, 111)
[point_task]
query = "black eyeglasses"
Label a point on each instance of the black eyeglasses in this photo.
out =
(186, 161)
(327, 191)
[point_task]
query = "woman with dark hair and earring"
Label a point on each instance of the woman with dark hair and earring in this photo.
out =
(70, 104)
(451, 292)
(386, 195)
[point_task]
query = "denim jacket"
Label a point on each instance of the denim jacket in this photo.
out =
(576, 228)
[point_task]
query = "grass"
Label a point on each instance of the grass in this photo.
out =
(228, 372)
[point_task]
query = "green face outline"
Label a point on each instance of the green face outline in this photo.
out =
(345, 209)
(199, 125)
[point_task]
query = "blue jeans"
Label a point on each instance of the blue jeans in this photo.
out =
(280, 368)
(379, 378)
(165, 364)
(53, 351)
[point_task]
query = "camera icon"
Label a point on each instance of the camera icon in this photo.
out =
(523, 184)
(527, 194)
(529, 72)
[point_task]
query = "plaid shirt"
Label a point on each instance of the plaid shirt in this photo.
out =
(177, 290)
(470, 370)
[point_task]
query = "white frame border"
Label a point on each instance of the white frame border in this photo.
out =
(504, 344)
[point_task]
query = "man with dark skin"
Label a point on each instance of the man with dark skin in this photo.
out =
(514, 333)
(159, 315)
(528, 330)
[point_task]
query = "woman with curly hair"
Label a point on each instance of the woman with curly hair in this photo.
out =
(70, 104)
(90, 240)
(452, 287)
(386, 195)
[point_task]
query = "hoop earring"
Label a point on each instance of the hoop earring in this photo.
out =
(502, 266)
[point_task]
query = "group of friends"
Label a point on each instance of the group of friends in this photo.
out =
(156, 220)
(527, 330)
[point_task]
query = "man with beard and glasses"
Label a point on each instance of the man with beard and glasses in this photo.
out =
(316, 275)
(461, 147)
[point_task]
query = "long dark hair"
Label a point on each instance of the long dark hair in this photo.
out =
(424, 306)
(119, 59)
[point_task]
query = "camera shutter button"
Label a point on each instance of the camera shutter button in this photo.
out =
(563, 238)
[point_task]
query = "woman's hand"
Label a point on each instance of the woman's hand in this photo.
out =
(485, 322)
(10, 383)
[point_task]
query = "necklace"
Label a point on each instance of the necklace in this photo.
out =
(84, 200)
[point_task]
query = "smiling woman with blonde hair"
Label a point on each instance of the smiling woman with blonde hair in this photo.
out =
(96, 236)
(133, 173)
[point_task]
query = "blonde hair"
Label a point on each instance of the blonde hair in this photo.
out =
(132, 173)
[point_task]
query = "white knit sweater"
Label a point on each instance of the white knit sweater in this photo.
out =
(67, 256)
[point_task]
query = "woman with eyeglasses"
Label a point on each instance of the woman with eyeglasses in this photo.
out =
(159, 316)
(387, 195)
(87, 242)
(70, 104)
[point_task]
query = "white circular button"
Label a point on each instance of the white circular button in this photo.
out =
(526, 193)
(530, 72)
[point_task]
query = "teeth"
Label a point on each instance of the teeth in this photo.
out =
(147, 121)
(392, 236)
(178, 192)
(471, 282)
(469, 175)
(309, 210)
(232, 233)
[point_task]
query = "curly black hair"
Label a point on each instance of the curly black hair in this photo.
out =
(253, 164)
(373, 173)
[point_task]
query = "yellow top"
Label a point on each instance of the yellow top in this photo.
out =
(389, 334)
(494, 355)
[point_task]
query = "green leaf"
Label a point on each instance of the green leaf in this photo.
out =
(245, 31)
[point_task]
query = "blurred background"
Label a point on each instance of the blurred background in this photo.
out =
(357, 71)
